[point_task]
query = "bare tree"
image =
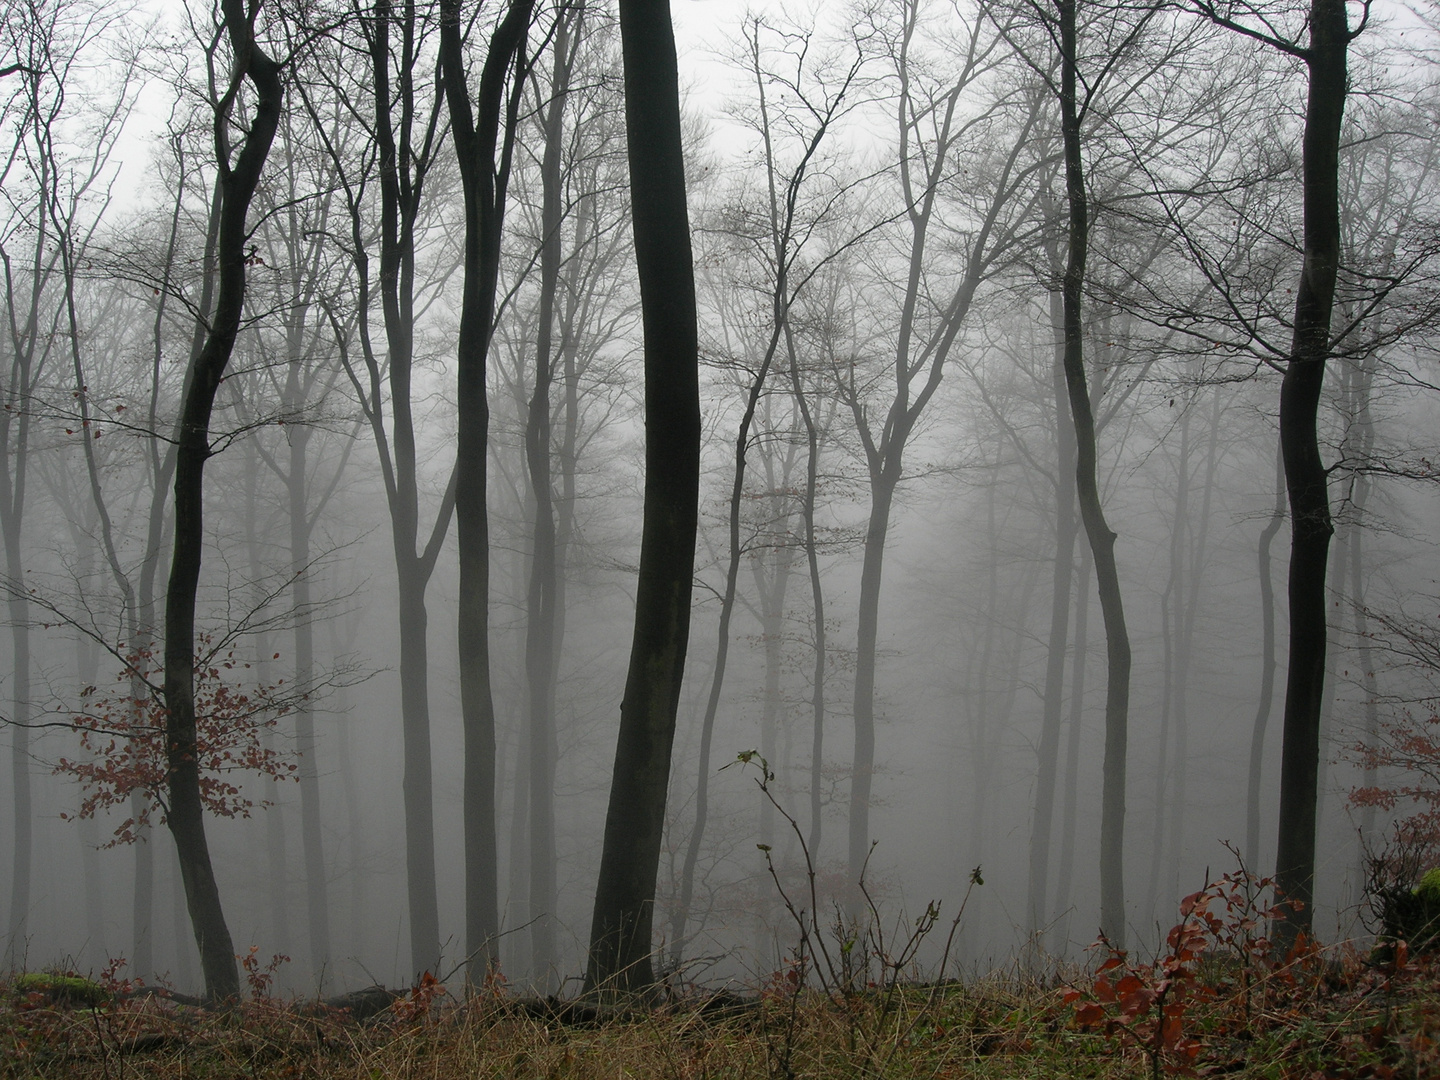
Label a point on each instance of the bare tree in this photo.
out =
(1328, 28)
(239, 175)
(479, 136)
(620, 932)
(52, 217)
(935, 127)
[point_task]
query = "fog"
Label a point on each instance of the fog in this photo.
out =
(877, 203)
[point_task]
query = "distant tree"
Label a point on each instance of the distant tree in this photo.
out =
(801, 96)
(55, 183)
(386, 155)
(928, 300)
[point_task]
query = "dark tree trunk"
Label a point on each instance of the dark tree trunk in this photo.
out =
(1305, 473)
(620, 959)
(862, 775)
(185, 811)
(1359, 503)
(1102, 540)
(484, 181)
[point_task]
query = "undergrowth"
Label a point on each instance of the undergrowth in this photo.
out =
(1217, 1000)
(1330, 1016)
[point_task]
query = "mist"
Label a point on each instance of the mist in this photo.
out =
(900, 683)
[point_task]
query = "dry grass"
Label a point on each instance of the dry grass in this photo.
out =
(1367, 1023)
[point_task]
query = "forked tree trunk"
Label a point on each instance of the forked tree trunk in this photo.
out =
(186, 812)
(484, 181)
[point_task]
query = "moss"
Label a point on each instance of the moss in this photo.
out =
(1429, 887)
(72, 989)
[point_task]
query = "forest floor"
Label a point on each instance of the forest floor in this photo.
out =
(1318, 1014)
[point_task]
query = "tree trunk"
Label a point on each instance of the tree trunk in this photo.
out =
(317, 890)
(620, 960)
(1069, 811)
(18, 931)
(484, 181)
(402, 169)
(1048, 751)
(1102, 540)
(186, 813)
(722, 647)
(142, 900)
(416, 781)
(1305, 473)
(540, 655)
(1267, 670)
(862, 775)
(1188, 595)
(817, 600)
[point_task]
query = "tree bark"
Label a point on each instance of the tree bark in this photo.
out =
(185, 811)
(403, 168)
(484, 181)
(1102, 539)
(1305, 473)
(620, 947)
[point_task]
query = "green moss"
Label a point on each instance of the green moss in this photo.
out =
(68, 988)
(1429, 887)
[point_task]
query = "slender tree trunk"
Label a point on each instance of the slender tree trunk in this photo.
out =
(402, 168)
(1305, 473)
(1267, 670)
(540, 655)
(772, 708)
(142, 903)
(484, 181)
(620, 959)
(317, 889)
(416, 782)
(862, 776)
(1048, 751)
(1070, 807)
(186, 814)
(1359, 503)
(1186, 614)
(87, 673)
(1102, 540)
(18, 607)
(817, 600)
(722, 649)
(1162, 756)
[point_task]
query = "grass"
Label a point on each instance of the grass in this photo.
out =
(1326, 1019)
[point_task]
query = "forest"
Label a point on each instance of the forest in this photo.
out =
(526, 497)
